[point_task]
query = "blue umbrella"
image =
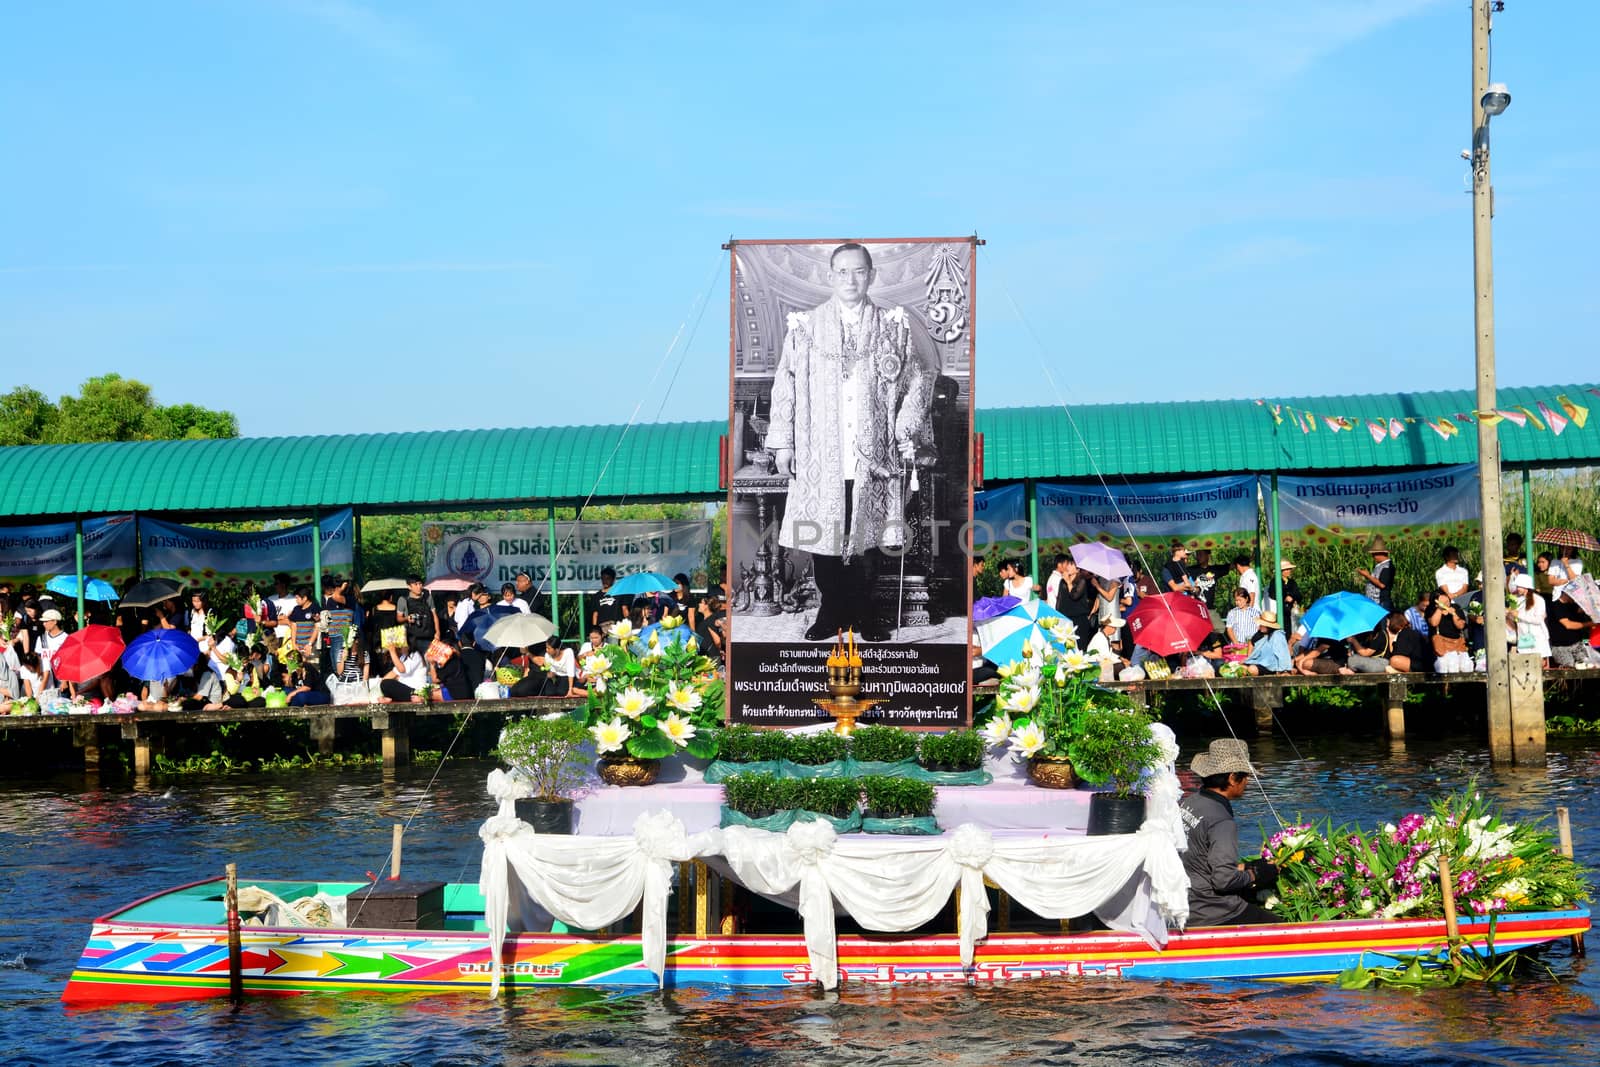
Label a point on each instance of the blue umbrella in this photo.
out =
(160, 654)
(1341, 615)
(991, 607)
(477, 625)
(1003, 636)
(641, 584)
(93, 588)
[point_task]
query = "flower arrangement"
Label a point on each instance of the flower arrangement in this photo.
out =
(649, 698)
(1495, 865)
(1041, 700)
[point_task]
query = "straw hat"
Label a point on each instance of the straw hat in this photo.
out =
(1225, 756)
(1377, 546)
(1286, 565)
(1118, 623)
(1269, 619)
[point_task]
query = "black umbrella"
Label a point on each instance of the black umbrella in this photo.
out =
(150, 592)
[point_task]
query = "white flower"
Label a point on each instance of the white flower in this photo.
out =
(680, 730)
(685, 698)
(997, 731)
(1272, 902)
(1021, 701)
(1029, 678)
(671, 622)
(622, 629)
(634, 702)
(1076, 661)
(609, 736)
(1367, 905)
(1067, 632)
(1028, 740)
(596, 665)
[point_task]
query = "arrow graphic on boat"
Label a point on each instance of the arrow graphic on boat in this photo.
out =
(383, 966)
(192, 961)
(315, 962)
(265, 962)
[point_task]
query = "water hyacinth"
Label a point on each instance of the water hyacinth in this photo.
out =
(1393, 871)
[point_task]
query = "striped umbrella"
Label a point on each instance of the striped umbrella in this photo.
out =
(1034, 623)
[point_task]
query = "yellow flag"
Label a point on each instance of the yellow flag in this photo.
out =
(1489, 418)
(1537, 425)
(1576, 412)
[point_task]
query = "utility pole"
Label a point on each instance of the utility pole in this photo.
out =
(1516, 728)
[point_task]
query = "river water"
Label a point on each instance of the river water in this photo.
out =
(70, 850)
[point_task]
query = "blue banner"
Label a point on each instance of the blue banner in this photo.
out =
(999, 515)
(195, 556)
(35, 554)
(1436, 502)
(1215, 513)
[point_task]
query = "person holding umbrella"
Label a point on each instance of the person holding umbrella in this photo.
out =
(1569, 629)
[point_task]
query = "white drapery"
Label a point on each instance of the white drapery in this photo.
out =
(1133, 882)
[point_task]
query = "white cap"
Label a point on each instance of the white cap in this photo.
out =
(1522, 581)
(50, 616)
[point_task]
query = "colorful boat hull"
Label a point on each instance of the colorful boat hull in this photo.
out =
(137, 961)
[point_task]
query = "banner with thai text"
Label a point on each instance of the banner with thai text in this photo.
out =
(1219, 514)
(999, 516)
(496, 552)
(200, 557)
(32, 555)
(1439, 503)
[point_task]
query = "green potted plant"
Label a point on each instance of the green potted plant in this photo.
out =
(648, 700)
(744, 748)
(549, 755)
(954, 751)
(1037, 708)
(882, 744)
(1114, 747)
(896, 805)
(814, 750)
(833, 799)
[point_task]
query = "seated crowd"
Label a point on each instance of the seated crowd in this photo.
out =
(385, 647)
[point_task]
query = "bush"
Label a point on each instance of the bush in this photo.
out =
(548, 753)
(958, 750)
(882, 744)
(829, 796)
(746, 744)
(1113, 747)
(812, 750)
(754, 795)
(893, 798)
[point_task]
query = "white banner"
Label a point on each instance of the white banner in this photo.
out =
(1439, 503)
(496, 552)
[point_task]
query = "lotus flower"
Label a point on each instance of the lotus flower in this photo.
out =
(597, 665)
(1021, 701)
(684, 698)
(998, 730)
(680, 730)
(1027, 741)
(622, 629)
(634, 702)
(609, 736)
(671, 622)
(1076, 661)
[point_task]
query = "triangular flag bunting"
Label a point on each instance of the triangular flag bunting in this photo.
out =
(1593, 392)
(1277, 415)
(1260, 403)
(1333, 423)
(1537, 425)
(1515, 416)
(1440, 428)
(1576, 412)
(1557, 421)
(1462, 416)
(1488, 418)
(1378, 430)
(1396, 427)
(1311, 422)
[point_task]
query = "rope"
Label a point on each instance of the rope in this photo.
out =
(1100, 477)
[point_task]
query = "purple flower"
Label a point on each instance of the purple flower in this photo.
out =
(1467, 882)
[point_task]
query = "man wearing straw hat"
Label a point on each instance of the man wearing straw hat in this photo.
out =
(1220, 886)
(1380, 579)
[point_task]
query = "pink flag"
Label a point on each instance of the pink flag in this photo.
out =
(1378, 430)
(1396, 427)
(1557, 421)
(1439, 428)
(1333, 423)
(1515, 416)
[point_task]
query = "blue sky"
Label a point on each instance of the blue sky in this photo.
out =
(337, 216)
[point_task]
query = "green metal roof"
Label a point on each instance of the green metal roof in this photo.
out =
(450, 469)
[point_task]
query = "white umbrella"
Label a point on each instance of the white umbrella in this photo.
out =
(381, 585)
(1003, 636)
(520, 631)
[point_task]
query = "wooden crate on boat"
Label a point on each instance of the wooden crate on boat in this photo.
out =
(396, 904)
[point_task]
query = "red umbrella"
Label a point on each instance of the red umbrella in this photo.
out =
(1560, 535)
(88, 653)
(1168, 623)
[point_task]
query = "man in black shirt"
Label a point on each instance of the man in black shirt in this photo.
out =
(1204, 576)
(608, 607)
(1409, 651)
(1175, 575)
(1569, 632)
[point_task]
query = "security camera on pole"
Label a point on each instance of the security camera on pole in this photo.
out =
(1514, 683)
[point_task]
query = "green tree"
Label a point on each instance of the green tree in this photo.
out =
(107, 408)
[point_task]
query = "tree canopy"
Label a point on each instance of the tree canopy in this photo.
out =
(107, 408)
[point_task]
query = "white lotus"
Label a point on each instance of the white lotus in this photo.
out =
(622, 629)
(634, 702)
(680, 730)
(609, 736)
(1027, 741)
(1076, 661)
(597, 665)
(1021, 701)
(684, 698)
(997, 731)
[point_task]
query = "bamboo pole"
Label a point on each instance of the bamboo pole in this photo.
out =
(1452, 928)
(1564, 837)
(399, 833)
(235, 949)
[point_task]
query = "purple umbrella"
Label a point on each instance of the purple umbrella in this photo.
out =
(1103, 560)
(991, 607)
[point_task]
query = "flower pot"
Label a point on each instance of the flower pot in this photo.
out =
(546, 816)
(1052, 772)
(1111, 814)
(628, 770)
